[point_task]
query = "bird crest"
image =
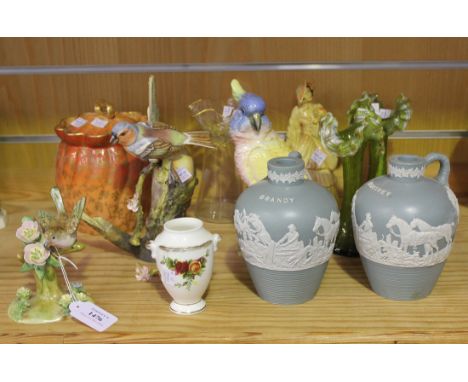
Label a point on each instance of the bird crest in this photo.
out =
(237, 90)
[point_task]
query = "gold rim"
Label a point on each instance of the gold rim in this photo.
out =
(185, 249)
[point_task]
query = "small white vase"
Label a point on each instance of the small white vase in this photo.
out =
(184, 254)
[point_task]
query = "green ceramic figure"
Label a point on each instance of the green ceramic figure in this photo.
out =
(46, 238)
(369, 124)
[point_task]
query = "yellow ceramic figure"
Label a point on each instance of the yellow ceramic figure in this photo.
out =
(303, 136)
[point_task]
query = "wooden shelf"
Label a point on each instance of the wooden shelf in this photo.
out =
(345, 310)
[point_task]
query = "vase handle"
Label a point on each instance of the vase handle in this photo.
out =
(153, 246)
(444, 170)
(215, 240)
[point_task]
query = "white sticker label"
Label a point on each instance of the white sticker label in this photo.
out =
(385, 113)
(382, 113)
(79, 122)
(183, 174)
(376, 107)
(169, 277)
(227, 111)
(98, 122)
(92, 315)
(318, 156)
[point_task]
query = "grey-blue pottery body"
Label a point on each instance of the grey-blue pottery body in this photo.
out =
(404, 225)
(286, 227)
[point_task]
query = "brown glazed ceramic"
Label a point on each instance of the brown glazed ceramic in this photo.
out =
(88, 165)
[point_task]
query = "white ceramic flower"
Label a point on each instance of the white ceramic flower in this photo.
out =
(132, 203)
(65, 301)
(36, 254)
(28, 232)
(81, 296)
(23, 293)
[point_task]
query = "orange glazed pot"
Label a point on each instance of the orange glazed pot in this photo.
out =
(88, 165)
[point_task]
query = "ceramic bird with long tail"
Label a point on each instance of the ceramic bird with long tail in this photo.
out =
(255, 141)
(60, 230)
(173, 177)
(158, 143)
(155, 142)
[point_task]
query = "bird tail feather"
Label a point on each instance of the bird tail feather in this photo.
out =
(78, 210)
(58, 201)
(199, 138)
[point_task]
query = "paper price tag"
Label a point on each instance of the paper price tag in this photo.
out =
(227, 111)
(385, 113)
(376, 107)
(382, 113)
(168, 276)
(79, 122)
(92, 315)
(98, 122)
(183, 174)
(318, 157)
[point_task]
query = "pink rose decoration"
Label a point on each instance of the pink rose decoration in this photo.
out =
(36, 254)
(142, 273)
(28, 232)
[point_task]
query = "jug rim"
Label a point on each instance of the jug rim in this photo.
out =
(407, 160)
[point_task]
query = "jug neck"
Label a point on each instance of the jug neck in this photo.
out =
(406, 168)
(286, 170)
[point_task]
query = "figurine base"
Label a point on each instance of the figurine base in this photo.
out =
(41, 311)
(187, 310)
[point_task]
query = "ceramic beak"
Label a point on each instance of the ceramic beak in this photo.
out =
(256, 121)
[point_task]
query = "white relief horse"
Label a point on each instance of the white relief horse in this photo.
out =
(404, 231)
(410, 238)
(444, 230)
(329, 228)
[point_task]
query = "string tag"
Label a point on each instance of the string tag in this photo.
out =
(85, 311)
(64, 273)
(92, 315)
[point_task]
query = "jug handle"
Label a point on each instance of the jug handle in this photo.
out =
(444, 170)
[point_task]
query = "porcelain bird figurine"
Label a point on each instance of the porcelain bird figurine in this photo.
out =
(149, 143)
(255, 141)
(60, 230)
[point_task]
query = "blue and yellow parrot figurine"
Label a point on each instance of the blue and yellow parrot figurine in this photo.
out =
(255, 141)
